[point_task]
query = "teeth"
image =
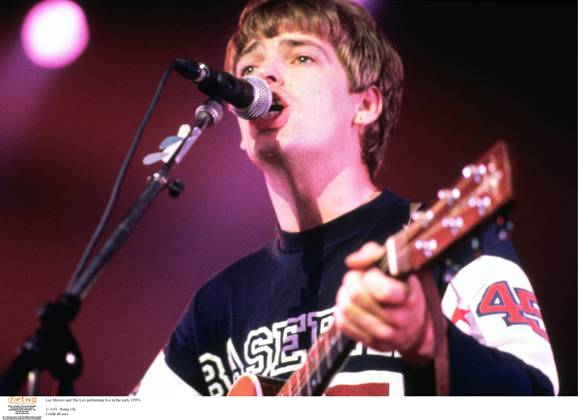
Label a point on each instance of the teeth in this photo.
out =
(277, 102)
(275, 109)
(270, 115)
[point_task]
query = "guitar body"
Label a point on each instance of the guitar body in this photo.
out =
(249, 385)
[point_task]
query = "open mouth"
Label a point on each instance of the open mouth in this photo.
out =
(276, 108)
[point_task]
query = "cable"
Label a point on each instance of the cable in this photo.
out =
(119, 179)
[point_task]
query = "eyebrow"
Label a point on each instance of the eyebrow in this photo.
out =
(292, 43)
(248, 49)
(287, 43)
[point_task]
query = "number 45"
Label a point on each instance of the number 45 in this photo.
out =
(499, 299)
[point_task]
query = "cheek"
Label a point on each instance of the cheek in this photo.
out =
(327, 98)
(244, 129)
(329, 111)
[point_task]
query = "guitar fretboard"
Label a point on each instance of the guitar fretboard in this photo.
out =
(323, 361)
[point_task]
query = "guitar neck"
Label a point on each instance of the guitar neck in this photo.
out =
(324, 359)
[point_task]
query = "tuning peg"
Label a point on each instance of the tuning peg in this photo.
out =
(481, 203)
(454, 223)
(427, 246)
(425, 217)
(450, 195)
(476, 171)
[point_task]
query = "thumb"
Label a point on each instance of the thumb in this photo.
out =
(366, 257)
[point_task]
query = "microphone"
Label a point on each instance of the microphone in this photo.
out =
(250, 96)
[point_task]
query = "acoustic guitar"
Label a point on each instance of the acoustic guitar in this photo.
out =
(483, 188)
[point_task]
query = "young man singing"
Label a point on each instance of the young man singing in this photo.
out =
(337, 86)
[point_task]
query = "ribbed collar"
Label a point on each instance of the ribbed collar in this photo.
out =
(349, 223)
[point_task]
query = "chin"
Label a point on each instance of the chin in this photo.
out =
(264, 151)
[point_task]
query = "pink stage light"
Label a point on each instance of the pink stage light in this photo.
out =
(54, 33)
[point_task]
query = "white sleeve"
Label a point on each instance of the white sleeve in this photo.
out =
(491, 299)
(160, 380)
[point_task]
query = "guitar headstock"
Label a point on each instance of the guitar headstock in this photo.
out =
(484, 187)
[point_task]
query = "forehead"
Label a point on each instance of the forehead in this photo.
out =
(286, 40)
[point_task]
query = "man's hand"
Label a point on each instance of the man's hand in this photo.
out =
(382, 312)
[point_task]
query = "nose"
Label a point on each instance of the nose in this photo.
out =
(270, 71)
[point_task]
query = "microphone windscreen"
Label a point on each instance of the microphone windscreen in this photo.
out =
(262, 100)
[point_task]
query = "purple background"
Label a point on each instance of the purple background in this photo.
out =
(475, 73)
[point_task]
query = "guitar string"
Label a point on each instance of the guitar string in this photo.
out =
(405, 237)
(297, 383)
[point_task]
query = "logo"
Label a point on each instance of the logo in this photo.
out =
(22, 408)
(21, 400)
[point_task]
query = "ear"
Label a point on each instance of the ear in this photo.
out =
(370, 106)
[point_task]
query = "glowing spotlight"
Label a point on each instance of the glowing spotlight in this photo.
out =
(54, 33)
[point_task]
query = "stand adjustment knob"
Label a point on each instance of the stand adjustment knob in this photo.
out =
(176, 187)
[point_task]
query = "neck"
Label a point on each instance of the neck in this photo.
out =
(304, 199)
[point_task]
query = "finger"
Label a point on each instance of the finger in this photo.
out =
(384, 297)
(349, 329)
(364, 327)
(410, 317)
(367, 256)
(415, 296)
(354, 292)
(360, 308)
(386, 290)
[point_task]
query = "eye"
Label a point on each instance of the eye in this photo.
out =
(247, 70)
(304, 59)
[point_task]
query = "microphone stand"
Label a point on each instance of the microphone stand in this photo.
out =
(53, 346)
